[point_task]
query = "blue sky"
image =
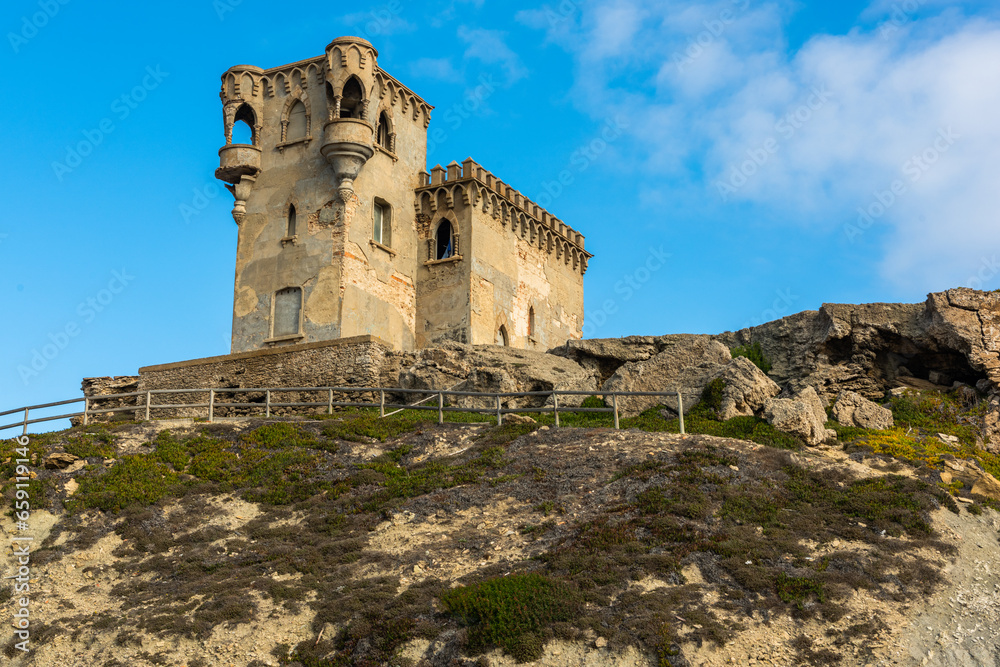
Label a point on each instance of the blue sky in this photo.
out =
(762, 158)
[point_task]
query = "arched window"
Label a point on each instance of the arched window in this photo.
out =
(353, 97)
(382, 229)
(382, 136)
(502, 336)
(244, 127)
(444, 242)
(531, 322)
(291, 221)
(296, 122)
(287, 312)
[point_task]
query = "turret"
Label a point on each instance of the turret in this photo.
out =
(349, 130)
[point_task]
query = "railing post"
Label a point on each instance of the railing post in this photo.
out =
(329, 405)
(149, 400)
(555, 406)
(440, 407)
(86, 410)
(211, 405)
(680, 408)
(267, 403)
(499, 413)
(381, 403)
(25, 431)
(614, 404)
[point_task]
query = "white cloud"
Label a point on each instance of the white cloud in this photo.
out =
(435, 68)
(811, 135)
(490, 47)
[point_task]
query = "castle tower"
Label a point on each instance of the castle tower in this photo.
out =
(343, 232)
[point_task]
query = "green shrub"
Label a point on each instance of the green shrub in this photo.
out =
(711, 395)
(755, 354)
(512, 612)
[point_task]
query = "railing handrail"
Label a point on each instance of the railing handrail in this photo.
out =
(440, 394)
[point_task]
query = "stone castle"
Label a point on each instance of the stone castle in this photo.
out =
(343, 232)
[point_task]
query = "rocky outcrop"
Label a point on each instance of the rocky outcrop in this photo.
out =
(686, 363)
(871, 348)
(852, 409)
(489, 368)
(747, 389)
(802, 415)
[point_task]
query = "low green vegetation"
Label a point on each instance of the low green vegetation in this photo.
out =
(517, 613)
(919, 418)
(755, 354)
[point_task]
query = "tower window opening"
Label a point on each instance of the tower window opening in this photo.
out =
(383, 131)
(296, 122)
(382, 230)
(531, 322)
(291, 221)
(244, 131)
(353, 97)
(445, 242)
(287, 312)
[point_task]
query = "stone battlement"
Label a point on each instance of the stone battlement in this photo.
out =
(506, 204)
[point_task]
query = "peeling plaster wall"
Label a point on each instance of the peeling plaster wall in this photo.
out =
(506, 283)
(350, 286)
(443, 295)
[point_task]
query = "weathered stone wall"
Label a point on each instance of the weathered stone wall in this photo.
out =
(348, 362)
(350, 285)
(443, 301)
(108, 386)
(507, 285)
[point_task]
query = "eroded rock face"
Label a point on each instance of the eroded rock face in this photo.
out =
(852, 409)
(687, 363)
(871, 348)
(747, 390)
(490, 368)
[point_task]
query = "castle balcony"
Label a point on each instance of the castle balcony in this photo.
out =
(348, 143)
(237, 161)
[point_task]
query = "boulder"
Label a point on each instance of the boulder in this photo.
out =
(602, 357)
(59, 460)
(687, 363)
(802, 416)
(853, 409)
(748, 390)
(492, 368)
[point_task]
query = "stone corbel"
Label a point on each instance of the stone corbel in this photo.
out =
(241, 192)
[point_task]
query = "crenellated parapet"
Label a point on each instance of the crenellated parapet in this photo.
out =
(474, 186)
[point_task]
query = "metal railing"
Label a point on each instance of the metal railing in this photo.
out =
(146, 406)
